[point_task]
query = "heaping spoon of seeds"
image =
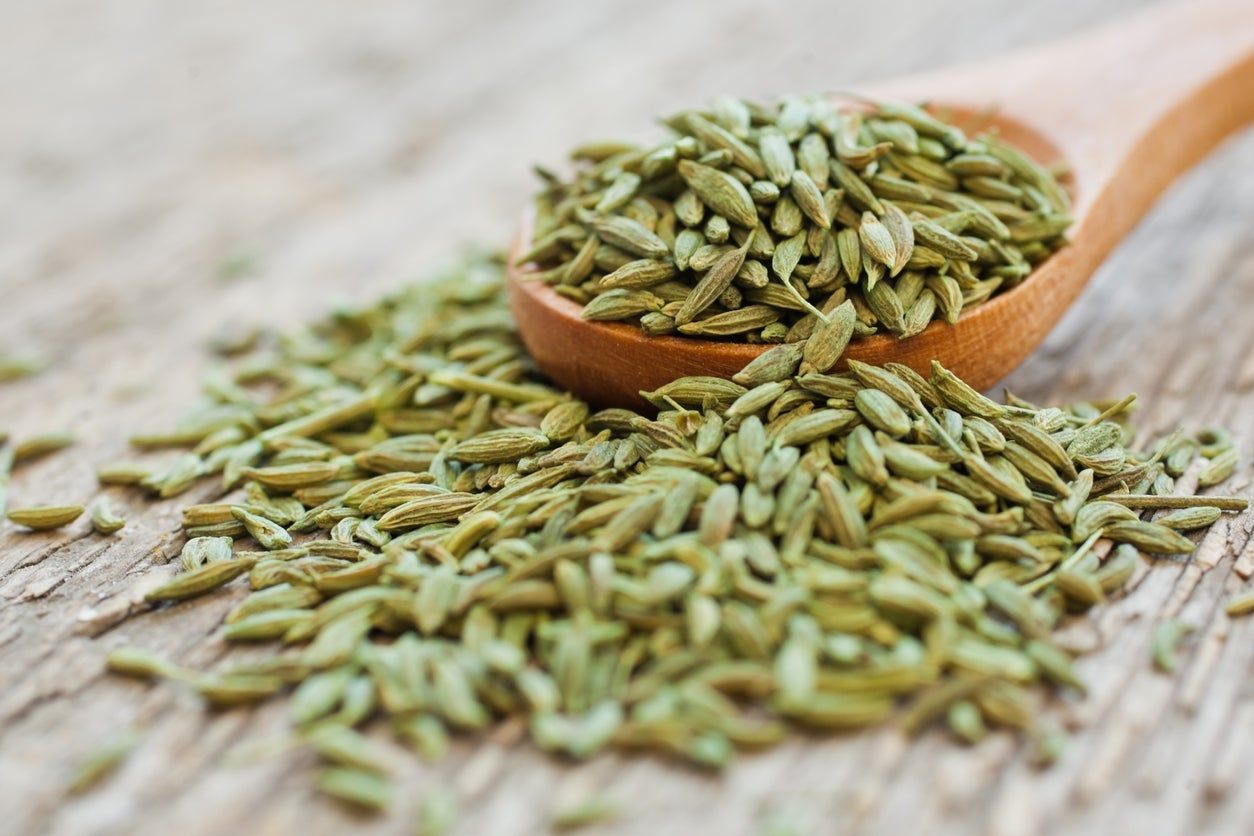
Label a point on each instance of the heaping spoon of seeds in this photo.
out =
(1127, 107)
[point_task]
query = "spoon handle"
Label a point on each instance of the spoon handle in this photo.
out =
(1129, 105)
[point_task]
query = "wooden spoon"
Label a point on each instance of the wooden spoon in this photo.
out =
(1128, 107)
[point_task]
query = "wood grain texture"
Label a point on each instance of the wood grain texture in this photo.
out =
(338, 149)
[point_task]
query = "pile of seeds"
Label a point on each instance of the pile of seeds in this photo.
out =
(759, 222)
(436, 537)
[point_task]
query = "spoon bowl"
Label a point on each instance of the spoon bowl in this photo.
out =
(1127, 107)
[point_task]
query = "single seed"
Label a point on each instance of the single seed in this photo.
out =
(102, 762)
(1240, 605)
(104, 520)
(46, 517)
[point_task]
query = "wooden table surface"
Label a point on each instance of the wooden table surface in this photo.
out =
(173, 168)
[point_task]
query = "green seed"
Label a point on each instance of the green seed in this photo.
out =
(1187, 519)
(357, 787)
(198, 581)
(40, 445)
(104, 520)
(269, 534)
(587, 812)
(437, 814)
(344, 747)
(1240, 605)
(46, 517)
(1167, 636)
(102, 762)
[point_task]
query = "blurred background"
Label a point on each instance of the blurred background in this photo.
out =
(238, 151)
